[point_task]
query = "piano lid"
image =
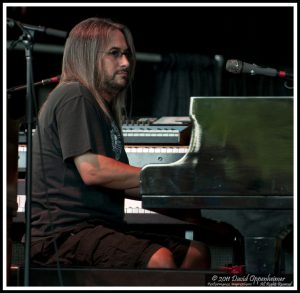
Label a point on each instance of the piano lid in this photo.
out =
(239, 146)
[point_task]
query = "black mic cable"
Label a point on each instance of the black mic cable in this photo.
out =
(50, 80)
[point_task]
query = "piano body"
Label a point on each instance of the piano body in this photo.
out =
(238, 169)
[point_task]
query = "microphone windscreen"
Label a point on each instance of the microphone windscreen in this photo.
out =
(234, 66)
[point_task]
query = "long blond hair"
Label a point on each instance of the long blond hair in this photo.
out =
(82, 55)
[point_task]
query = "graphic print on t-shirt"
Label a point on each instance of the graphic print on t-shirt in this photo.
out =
(116, 141)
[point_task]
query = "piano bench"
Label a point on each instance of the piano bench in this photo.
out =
(92, 276)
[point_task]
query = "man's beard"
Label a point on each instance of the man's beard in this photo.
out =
(113, 87)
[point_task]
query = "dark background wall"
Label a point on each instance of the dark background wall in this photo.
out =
(260, 35)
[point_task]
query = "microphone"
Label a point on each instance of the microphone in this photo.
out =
(237, 67)
(54, 79)
(48, 31)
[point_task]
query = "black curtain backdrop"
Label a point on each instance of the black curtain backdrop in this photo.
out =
(247, 85)
(180, 76)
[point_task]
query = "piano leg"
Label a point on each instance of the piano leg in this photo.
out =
(261, 254)
(261, 230)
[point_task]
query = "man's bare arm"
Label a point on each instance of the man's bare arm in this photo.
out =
(100, 170)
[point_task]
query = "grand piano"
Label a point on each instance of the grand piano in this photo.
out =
(238, 169)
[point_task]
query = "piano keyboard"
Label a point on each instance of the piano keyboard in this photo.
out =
(144, 155)
(131, 206)
(156, 149)
(138, 155)
(134, 213)
(145, 134)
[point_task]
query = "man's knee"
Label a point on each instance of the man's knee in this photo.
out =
(162, 258)
(198, 256)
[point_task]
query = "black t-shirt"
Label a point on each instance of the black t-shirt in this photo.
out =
(71, 123)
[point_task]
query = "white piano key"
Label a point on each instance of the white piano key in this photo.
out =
(21, 201)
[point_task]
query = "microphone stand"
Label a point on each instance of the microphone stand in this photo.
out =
(29, 98)
(27, 39)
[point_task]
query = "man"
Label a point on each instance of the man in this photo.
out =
(81, 173)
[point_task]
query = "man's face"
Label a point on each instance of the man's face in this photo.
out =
(116, 64)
